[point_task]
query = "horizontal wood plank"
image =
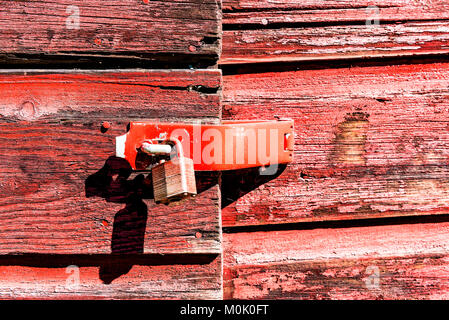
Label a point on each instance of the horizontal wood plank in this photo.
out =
(62, 193)
(115, 27)
(74, 277)
(266, 31)
(335, 42)
(229, 5)
(266, 13)
(370, 142)
(404, 261)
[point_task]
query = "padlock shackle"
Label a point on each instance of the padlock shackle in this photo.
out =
(153, 148)
(156, 149)
(178, 144)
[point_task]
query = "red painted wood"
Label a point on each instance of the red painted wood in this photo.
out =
(65, 200)
(59, 196)
(113, 27)
(339, 263)
(326, 30)
(370, 142)
(229, 5)
(334, 42)
(291, 11)
(139, 281)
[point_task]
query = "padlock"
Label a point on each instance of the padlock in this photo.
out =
(174, 179)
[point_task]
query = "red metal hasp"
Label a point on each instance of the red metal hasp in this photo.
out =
(230, 145)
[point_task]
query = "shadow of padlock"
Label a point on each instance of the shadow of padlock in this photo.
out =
(173, 179)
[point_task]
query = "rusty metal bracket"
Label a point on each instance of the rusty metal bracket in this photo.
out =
(230, 145)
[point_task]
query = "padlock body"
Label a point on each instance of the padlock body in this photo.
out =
(173, 180)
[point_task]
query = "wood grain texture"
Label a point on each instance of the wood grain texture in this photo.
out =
(75, 277)
(229, 5)
(370, 142)
(410, 260)
(265, 31)
(268, 12)
(335, 42)
(113, 27)
(63, 193)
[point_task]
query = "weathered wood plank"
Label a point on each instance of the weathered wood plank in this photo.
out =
(74, 277)
(325, 30)
(267, 12)
(229, 5)
(370, 142)
(404, 261)
(115, 27)
(61, 191)
(335, 42)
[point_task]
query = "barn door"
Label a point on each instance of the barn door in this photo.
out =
(74, 220)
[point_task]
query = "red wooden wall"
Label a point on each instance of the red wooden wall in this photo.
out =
(75, 222)
(362, 213)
